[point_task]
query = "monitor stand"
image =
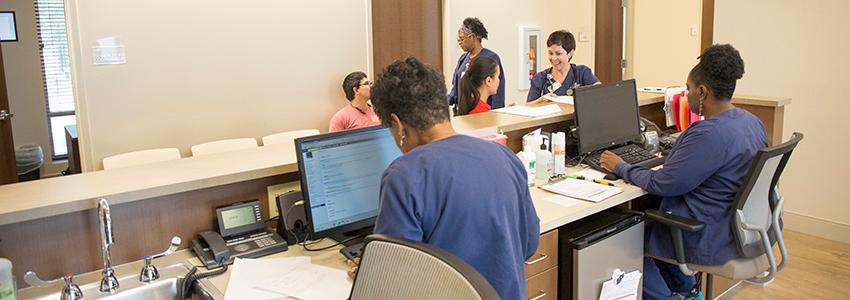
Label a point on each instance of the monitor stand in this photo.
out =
(354, 247)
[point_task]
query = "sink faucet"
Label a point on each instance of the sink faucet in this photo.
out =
(108, 283)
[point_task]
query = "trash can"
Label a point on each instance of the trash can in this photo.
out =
(29, 159)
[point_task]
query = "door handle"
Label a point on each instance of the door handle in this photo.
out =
(4, 115)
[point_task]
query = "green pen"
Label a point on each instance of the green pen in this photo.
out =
(580, 177)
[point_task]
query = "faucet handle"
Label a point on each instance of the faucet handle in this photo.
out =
(149, 272)
(175, 243)
(70, 291)
(32, 279)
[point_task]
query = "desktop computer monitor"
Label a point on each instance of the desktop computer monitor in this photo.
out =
(606, 115)
(341, 178)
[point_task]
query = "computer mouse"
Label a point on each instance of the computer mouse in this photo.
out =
(611, 176)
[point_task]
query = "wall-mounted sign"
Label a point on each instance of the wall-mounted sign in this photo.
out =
(8, 30)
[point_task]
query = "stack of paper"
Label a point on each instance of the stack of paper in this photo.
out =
(280, 278)
(582, 189)
(530, 111)
(560, 99)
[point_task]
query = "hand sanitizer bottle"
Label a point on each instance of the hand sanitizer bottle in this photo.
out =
(7, 281)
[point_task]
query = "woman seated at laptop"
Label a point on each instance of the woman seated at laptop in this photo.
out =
(480, 81)
(701, 176)
(442, 190)
(563, 75)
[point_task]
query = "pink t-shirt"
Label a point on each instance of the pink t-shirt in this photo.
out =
(350, 117)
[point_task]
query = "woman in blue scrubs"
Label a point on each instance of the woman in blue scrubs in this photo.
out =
(701, 176)
(469, 38)
(443, 191)
(563, 76)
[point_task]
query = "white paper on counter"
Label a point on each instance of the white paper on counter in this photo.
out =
(310, 282)
(245, 273)
(560, 99)
(582, 189)
(589, 174)
(530, 111)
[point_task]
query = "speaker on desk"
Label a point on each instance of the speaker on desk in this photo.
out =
(291, 222)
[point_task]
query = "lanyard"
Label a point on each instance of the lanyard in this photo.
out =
(549, 83)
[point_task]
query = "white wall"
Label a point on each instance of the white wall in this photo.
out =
(798, 49)
(199, 71)
(661, 49)
(22, 63)
(503, 19)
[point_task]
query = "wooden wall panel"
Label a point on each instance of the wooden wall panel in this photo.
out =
(407, 28)
(609, 41)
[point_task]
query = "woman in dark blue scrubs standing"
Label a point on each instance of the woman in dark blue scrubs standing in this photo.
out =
(563, 75)
(469, 38)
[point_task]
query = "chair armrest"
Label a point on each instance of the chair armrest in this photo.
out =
(673, 221)
(676, 225)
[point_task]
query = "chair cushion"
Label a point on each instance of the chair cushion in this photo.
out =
(736, 269)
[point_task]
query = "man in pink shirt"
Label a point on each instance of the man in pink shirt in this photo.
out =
(358, 113)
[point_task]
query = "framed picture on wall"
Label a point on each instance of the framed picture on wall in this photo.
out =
(8, 30)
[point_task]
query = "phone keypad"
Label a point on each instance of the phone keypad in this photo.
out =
(266, 241)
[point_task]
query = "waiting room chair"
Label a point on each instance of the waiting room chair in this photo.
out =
(287, 137)
(393, 268)
(755, 217)
(223, 146)
(140, 158)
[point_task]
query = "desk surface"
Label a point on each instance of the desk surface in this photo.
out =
(551, 217)
(59, 195)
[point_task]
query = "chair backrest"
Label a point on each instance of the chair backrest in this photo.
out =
(755, 200)
(287, 137)
(394, 268)
(140, 158)
(223, 146)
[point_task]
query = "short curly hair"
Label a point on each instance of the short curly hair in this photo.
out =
(719, 67)
(413, 91)
(477, 28)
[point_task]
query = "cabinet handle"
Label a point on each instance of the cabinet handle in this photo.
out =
(542, 257)
(542, 294)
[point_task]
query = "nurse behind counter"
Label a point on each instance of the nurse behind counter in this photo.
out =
(563, 76)
(469, 38)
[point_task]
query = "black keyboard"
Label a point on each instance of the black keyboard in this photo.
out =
(353, 251)
(632, 154)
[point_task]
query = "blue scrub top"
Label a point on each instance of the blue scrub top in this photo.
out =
(699, 180)
(579, 75)
(469, 197)
(495, 101)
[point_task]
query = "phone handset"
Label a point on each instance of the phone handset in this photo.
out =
(216, 245)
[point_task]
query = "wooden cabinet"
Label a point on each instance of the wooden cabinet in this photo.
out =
(543, 286)
(541, 270)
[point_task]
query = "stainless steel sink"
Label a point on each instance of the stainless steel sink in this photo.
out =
(131, 289)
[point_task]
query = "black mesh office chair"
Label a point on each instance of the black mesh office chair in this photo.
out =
(393, 268)
(755, 219)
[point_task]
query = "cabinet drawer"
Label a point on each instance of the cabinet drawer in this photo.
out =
(543, 286)
(546, 255)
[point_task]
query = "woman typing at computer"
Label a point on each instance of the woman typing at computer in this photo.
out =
(701, 176)
(442, 190)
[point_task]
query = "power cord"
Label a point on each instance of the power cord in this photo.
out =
(185, 289)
